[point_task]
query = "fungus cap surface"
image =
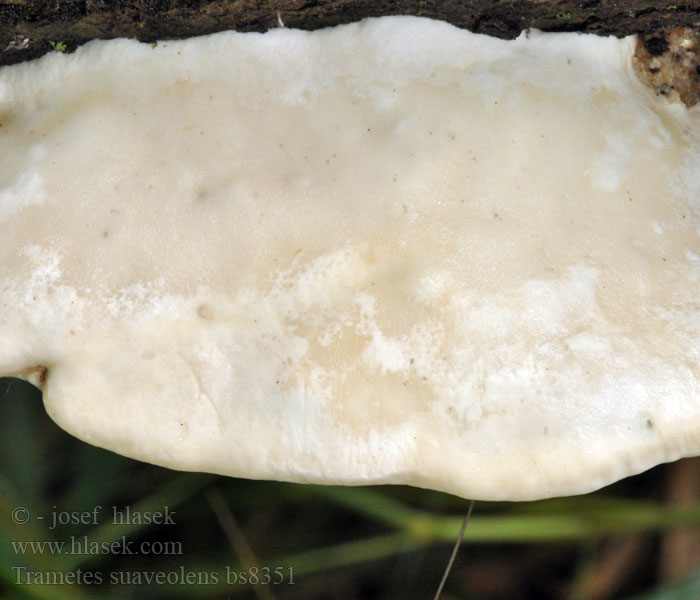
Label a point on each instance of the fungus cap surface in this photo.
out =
(388, 252)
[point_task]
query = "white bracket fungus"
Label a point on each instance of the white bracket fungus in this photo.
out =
(391, 252)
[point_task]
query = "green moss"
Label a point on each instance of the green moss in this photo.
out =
(563, 16)
(59, 46)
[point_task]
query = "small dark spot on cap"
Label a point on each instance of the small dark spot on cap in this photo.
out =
(650, 424)
(204, 312)
(656, 46)
(36, 375)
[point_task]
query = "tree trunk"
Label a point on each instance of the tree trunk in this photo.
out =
(29, 28)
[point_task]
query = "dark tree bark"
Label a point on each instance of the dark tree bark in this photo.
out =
(29, 28)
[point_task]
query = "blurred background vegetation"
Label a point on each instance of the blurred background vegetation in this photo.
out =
(638, 539)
